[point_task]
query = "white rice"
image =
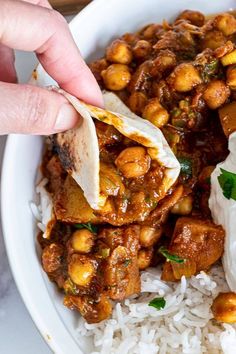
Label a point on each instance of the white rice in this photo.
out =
(43, 212)
(184, 326)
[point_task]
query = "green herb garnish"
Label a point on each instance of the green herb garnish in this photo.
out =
(159, 303)
(169, 256)
(210, 70)
(127, 262)
(70, 287)
(186, 166)
(88, 226)
(227, 181)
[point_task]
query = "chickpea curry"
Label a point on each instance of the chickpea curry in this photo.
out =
(181, 77)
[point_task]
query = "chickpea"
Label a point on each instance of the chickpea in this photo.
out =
(116, 77)
(155, 113)
(204, 177)
(133, 162)
(166, 60)
(130, 38)
(142, 49)
(213, 39)
(137, 102)
(224, 307)
(145, 258)
(226, 23)
(51, 257)
(231, 77)
(110, 181)
(183, 206)
(216, 94)
(119, 52)
(195, 17)
(185, 77)
(81, 269)
(149, 235)
(97, 67)
(150, 30)
(82, 241)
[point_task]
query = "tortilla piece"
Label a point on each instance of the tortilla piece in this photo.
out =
(79, 151)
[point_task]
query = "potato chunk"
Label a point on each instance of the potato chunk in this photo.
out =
(121, 274)
(70, 204)
(92, 310)
(120, 268)
(199, 240)
(51, 257)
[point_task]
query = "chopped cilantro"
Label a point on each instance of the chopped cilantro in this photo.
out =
(159, 303)
(127, 262)
(70, 287)
(169, 256)
(210, 70)
(227, 181)
(89, 226)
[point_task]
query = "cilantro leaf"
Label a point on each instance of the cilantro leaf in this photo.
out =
(89, 226)
(127, 262)
(227, 181)
(159, 303)
(169, 256)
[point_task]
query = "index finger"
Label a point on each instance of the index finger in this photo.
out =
(46, 32)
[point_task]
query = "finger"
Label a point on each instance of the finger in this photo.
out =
(33, 110)
(7, 69)
(43, 3)
(50, 38)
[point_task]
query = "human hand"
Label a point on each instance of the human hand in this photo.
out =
(32, 25)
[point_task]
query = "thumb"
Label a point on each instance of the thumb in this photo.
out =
(29, 109)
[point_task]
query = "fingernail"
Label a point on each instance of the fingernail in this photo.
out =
(67, 118)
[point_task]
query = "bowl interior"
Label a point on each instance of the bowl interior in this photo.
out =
(92, 29)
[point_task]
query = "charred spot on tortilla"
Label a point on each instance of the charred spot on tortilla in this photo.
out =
(64, 152)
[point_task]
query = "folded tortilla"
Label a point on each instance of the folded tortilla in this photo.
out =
(79, 150)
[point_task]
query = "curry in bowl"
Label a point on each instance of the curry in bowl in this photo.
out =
(181, 79)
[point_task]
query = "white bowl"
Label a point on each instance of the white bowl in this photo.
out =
(92, 29)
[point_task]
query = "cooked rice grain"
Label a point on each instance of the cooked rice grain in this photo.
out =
(185, 325)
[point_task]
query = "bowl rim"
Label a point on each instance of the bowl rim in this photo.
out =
(37, 317)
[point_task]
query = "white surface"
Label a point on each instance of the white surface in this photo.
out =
(96, 25)
(223, 212)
